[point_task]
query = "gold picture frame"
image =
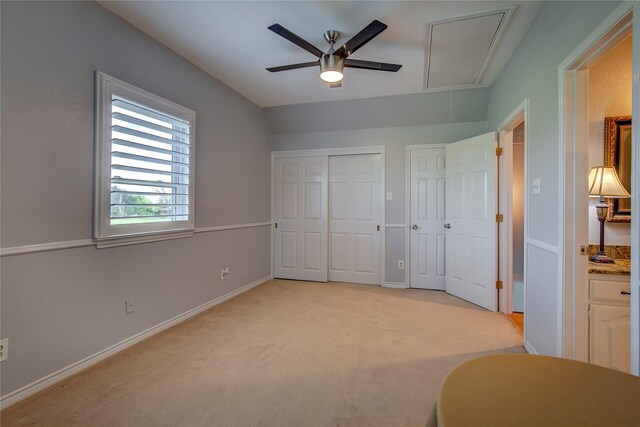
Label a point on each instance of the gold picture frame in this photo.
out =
(617, 153)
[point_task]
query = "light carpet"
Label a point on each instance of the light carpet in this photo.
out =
(286, 353)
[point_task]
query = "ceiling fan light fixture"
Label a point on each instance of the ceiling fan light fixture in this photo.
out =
(331, 76)
(331, 68)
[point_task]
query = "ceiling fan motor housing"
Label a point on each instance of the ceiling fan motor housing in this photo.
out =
(332, 36)
(331, 67)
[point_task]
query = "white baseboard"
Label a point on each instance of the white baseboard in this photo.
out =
(529, 348)
(74, 368)
(394, 285)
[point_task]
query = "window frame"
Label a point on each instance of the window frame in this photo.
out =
(105, 234)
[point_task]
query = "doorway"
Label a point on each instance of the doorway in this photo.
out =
(513, 166)
(516, 282)
(454, 249)
(581, 309)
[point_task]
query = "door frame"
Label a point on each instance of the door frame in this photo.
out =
(505, 204)
(572, 91)
(635, 221)
(407, 207)
(338, 151)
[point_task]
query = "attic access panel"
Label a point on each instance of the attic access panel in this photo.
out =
(458, 50)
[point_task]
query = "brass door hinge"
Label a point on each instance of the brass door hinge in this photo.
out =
(498, 284)
(499, 151)
(499, 217)
(378, 227)
(276, 225)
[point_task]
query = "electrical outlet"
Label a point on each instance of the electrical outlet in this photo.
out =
(224, 272)
(584, 250)
(400, 265)
(130, 305)
(4, 349)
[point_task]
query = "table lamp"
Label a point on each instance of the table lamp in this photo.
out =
(604, 182)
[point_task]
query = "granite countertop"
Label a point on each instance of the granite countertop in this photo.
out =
(620, 267)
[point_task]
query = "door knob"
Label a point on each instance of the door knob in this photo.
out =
(414, 227)
(447, 226)
(625, 293)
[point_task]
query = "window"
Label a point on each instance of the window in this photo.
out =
(144, 166)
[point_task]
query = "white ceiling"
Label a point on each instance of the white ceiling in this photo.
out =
(230, 41)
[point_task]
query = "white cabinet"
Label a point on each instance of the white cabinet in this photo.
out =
(610, 322)
(610, 336)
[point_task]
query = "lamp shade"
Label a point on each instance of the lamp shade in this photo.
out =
(604, 182)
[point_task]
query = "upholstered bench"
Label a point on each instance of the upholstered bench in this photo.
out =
(522, 389)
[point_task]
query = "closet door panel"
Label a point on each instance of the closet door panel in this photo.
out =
(300, 212)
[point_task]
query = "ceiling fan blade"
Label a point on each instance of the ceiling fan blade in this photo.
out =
(295, 39)
(371, 65)
(293, 66)
(360, 39)
(336, 84)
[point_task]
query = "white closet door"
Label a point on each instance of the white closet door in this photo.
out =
(471, 210)
(300, 212)
(354, 218)
(428, 188)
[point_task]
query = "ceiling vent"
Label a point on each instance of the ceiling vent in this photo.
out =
(458, 50)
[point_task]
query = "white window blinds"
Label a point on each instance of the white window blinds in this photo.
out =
(150, 165)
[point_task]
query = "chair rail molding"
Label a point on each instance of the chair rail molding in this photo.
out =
(69, 244)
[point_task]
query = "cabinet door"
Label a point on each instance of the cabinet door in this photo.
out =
(610, 332)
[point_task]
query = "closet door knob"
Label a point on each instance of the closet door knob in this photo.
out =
(414, 227)
(447, 226)
(625, 293)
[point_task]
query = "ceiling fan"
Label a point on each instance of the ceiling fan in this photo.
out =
(333, 62)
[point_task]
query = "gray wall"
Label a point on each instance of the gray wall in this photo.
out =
(61, 306)
(469, 105)
(532, 73)
(344, 115)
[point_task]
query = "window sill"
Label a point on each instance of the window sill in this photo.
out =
(110, 242)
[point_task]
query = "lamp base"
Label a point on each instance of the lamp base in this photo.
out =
(601, 257)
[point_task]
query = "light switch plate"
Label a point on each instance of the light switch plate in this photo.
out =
(389, 195)
(536, 185)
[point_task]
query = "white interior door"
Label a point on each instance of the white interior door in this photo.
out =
(354, 218)
(300, 214)
(471, 209)
(428, 189)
